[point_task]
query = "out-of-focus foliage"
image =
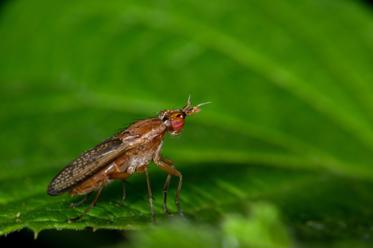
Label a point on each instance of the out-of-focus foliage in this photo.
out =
(290, 124)
(263, 229)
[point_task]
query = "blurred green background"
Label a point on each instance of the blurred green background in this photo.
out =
(282, 158)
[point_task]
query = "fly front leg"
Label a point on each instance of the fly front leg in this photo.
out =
(167, 166)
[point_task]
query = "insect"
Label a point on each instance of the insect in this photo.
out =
(129, 151)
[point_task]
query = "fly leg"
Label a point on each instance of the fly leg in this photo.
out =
(144, 169)
(165, 190)
(93, 203)
(121, 176)
(124, 193)
(172, 171)
(78, 203)
(150, 195)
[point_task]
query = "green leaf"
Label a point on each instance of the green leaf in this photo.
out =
(290, 124)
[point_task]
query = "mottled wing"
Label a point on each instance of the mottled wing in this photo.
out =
(87, 164)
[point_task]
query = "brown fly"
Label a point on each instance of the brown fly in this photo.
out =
(120, 156)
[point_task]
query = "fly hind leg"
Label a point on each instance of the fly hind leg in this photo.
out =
(92, 205)
(80, 202)
(95, 183)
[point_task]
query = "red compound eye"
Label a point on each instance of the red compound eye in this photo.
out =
(177, 124)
